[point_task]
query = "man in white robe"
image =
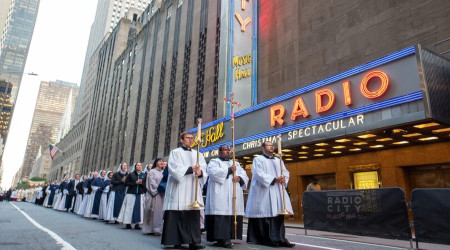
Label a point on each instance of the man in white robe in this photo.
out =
(181, 222)
(219, 208)
(265, 226)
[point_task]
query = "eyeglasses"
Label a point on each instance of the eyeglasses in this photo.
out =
(189, 138)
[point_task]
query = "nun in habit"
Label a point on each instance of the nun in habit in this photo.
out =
(105, 193)
(91, 196)
(79, 197)
(82, 208)
(132, 210)
(50, 194)
(117, 194)
(64, 187)
(59, 195)
(153, 213)
(97, 187)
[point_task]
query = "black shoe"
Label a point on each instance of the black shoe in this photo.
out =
(128, 226)
(116, 222)
(228, 244)
(196, 246)
(177, 247)
(287, 244)
(137, 227)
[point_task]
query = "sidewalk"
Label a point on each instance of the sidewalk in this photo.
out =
(297, 227)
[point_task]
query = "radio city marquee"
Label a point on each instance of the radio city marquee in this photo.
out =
(334, 107)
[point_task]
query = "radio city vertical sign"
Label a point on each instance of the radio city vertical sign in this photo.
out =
(242, 57)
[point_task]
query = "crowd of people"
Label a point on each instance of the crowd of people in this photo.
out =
(158, 198)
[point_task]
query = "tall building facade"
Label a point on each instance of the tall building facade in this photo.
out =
(4, 10)
(15, 41)
(17, 20)
(107, 16)
(50, 106)
(151, 92)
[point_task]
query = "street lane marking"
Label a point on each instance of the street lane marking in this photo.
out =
(349, 241)
(307, 245)
(65, 245)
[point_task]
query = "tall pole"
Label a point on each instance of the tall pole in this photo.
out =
(280, 155)
(198, 140)
(233, 147)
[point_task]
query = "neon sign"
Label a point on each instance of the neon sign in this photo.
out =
(326, 98)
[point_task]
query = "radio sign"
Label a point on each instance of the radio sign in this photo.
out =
(325, 98)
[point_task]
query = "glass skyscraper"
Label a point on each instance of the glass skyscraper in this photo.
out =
(15, 42)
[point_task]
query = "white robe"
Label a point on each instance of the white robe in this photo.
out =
(109, 216)
(45, 204)
(180, 189)
(219, 198)
(264, 199)
(103, 204)
(78, 201)
(82, 208)
(62, 203)
(90, 202)
(126, 212)
(57, 199)
(40, 194)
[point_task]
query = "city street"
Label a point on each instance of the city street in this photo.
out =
(27, 226)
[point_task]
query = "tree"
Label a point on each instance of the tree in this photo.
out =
(22, 185)
(38, 178)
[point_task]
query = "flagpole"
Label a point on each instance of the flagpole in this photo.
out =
(56, 147)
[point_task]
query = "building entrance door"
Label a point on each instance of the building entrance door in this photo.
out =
(430, 176)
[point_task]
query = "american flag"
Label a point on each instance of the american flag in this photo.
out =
(53, 151)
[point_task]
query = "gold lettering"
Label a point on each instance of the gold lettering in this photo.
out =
(243, 4)
(242, 22)
(211, 135)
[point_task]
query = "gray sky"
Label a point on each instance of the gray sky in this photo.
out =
(56, 52)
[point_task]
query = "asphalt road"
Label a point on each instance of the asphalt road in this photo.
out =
(27, 226)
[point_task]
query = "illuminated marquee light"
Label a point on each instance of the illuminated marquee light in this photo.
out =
(381, 90)
(299, 109)
(347, 95)
(274, 117)
(320, 108)
(370, 65)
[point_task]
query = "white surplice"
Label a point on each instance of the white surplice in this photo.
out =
(264, 199)
(219, 198)
(180, 189)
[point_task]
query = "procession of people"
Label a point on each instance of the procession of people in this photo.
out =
(165, 199)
